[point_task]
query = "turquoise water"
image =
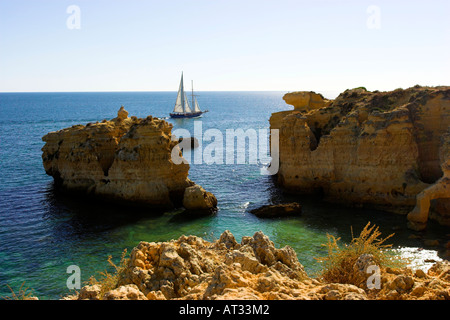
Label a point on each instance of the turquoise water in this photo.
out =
(42, 232)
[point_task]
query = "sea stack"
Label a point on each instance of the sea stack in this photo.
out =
(124, 159)
(376, 149)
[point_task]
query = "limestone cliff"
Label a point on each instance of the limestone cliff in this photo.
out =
(124, 159)
(380, 149)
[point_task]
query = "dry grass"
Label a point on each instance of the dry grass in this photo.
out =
(337, 267)
(110, 281)
(22, 294)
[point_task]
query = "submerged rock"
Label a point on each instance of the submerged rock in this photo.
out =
(192, 142)
(278, 210)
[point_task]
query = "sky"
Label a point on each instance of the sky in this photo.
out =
(284, 45)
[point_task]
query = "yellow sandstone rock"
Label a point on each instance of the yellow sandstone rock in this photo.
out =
(305, 101)
(122, 114)
(378, 149)
(196, 198)
(191, 268)
(124, 159)
(127, 292)
(439, 190)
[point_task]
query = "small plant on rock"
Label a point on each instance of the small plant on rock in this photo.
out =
(22, 294)
(110, 281)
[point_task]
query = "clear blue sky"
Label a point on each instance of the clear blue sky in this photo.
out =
(287, 45)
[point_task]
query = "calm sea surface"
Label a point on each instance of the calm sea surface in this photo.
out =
(42, 233)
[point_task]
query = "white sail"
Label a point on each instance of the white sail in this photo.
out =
(179, 102)
(182, 106)
(196, 107)
(187, 108)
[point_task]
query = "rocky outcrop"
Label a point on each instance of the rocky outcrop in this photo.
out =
(124, 159)
(305, 101)
(126, 292)
(191, 268)
(378, 149)
(407, 284)
(439, 190)
(278, 210)
(197, 200)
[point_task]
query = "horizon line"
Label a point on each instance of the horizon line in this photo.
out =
(124, 91)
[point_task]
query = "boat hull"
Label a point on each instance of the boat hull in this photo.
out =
(187, 115)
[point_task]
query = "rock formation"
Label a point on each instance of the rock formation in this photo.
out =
(440, 190)
(278, 210)
(124, 159)
(197, 199)
(191, 268)
(378, 149)
(305, 101)
(191, 141)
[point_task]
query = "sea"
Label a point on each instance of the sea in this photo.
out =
(44, 233)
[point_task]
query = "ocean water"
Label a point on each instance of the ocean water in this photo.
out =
(42, 232)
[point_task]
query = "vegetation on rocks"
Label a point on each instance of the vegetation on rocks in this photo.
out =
(191, 268)
(367, 249)
(110, 281)
(24, 293)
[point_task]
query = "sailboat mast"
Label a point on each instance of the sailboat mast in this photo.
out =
(192, 83)
(182, 93)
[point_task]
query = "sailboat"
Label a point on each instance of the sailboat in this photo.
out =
(182, 108)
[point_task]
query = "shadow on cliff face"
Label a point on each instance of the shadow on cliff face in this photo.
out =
(341, 220)
(186, 216)
(81, 214)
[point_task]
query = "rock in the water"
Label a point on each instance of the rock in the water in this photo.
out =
(186, 142)
(278, 210)
(124, 159)
(197, 199)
